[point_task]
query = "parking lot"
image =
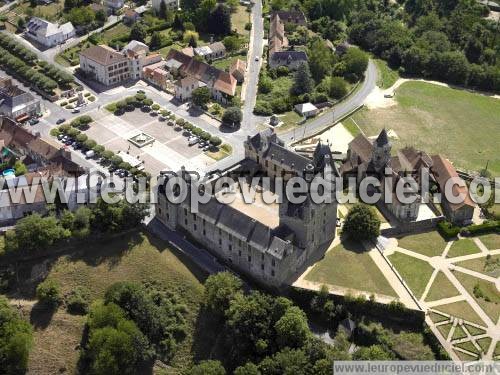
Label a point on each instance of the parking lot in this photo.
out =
(170, 150)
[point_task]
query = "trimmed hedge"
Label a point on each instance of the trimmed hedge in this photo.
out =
(448, 230)
(486, 227)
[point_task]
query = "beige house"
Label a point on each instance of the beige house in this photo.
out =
(238, 69)
(105, 65)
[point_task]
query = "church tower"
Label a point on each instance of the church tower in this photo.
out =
(381, 151)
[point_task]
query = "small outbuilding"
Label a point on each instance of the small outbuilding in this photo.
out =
(306, 109)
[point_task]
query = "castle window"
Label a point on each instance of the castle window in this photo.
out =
(262, 266)
(220, 232)
(159, 210)
(239, 242)
(262, 256)
(230, 237)
(185, 212)
(266, 163)
(220, 241)
(203, 222)
(273, 262)
(249, 258)
(185, 221)
(230, 247)
(274, 167)
(168, 217)
(194, 227)
(239, 253)
(272, 273)
(204, 232)
(194, 217)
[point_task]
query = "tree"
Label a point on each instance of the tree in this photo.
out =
(191, 37)
(292, 329)
(78, 301)
(209, 367)
(338, 88)
(49, 293)
(232, 116)
(35, 233)
(20, 23)
(372, 353)
(248, 369)
(100, 16)
(356, 61)
(362, 223)
(303, 82)
(16, 340)
(287, 361)
(156, 39)
(163, 10)
(320, 59)
(138, 32)
(116, 346)
(220, 289)
(232, 43)
(220, 20)
(201, 96)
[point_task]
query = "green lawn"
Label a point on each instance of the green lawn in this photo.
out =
(115, 31)
(462, 247)
(348, 265)
(489, 290)
(484, 343)
(489, 267)
(132, 257)
(239, 19)
(444, 329)
(51, 12)
(351, 126)
(415, 272)
(491, 241)
(465, 357)
(441, 288)
(469, 346)
(462, 126)
(430, 243)
(386, 76)
(436, 318)
(474, 331)
(458, 333)
(461, 310)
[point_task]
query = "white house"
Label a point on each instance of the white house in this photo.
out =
(49, 34)
(139, 57)
(306, 109)
(170, 4)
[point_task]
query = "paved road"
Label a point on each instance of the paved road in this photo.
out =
(252, 75)
(343, 108)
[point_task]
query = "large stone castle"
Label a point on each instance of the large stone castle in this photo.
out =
(268, 242)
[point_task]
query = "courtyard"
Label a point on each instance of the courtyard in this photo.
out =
(169, 150)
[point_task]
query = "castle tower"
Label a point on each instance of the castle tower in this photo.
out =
(381, 151)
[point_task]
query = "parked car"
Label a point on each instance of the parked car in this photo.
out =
(193, 141)
(60, 121)
(76, 110)
(34, 121)
(257, 58)
(61, 137)
(89, 154)
(161, 118)
(68, 142)
(170, 123)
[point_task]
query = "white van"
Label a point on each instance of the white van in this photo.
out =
(89, 154)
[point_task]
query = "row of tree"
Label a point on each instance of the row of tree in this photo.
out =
(34, 232)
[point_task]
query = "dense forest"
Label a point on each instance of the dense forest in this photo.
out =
(447, 40)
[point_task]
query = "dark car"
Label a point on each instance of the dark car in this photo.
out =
(60, 121)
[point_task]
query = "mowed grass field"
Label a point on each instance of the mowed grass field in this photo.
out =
(462, 126)
(349, 265)
(133, 257)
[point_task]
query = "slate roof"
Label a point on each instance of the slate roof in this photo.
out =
(362, 147)
(293, 15)
(288, 56)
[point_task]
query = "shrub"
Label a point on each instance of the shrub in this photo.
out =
(486, 227)
(87, 94)
(116, 160)
(197, 131)
(72, 100)
(69, 106)
(107, 154)
(179, 121)
(78, 301)
(90, 144)
(205, 136)
(338, 88)
(155, 107)
(147, 102)
(48, 292)
(91, 98)
(63, 104)
(188, 126)
(263, 108)
(216, 141)
(55, 132)
(98, 149)
(81, 137)
(447, 229)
